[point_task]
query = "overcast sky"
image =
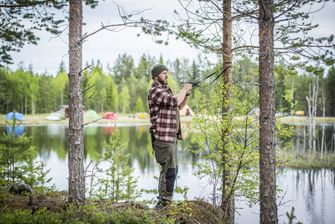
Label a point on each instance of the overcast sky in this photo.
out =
(106, 46)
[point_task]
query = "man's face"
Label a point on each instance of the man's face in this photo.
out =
(162, 77)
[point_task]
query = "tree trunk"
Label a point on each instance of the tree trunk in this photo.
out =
(61, 98)
(76, 143)
(227, 198)
(25, 104)
(33, 105)
(323, 126)
(268, 206)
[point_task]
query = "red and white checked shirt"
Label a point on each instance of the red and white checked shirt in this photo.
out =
(163, 109)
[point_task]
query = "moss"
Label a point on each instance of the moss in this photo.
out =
(52, 208)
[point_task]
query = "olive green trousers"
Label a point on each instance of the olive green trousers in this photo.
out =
(165, 154)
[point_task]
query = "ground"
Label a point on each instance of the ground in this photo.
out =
(188, 212)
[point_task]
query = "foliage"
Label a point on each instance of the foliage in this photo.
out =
(22, 20)
(13, 151)
(36, 15)
(290, 216)
(296, 160)
(98, 85)
(113, 174)
(330, 93)
(183, 206)
(28, 92)
(34, 174)
(139, 105)
(85, 214)
(125, 102)
(242, 145)
(18, 163)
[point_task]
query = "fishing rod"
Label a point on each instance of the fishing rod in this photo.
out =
(196, 84)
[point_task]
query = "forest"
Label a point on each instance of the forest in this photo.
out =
(30, 93)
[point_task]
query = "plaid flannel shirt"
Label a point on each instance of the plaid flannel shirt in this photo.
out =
(163, 108)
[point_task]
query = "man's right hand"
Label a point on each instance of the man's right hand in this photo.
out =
(188, 87)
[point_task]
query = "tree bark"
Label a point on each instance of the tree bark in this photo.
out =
(268, 206)
(76, 143)
(227, 198)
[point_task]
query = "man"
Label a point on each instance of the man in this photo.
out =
(165, 129)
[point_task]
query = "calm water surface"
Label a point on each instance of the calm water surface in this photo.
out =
(311, 192)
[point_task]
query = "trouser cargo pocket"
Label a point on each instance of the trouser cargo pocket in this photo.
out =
(163, 151)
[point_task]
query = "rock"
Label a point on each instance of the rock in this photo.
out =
(20, 189)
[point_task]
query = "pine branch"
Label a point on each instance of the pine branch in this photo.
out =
(26, 4)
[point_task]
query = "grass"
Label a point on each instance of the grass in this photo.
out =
(53, 207)
(304, 120)
(313, 160)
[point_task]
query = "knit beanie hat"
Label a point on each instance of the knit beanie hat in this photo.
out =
(157, 69)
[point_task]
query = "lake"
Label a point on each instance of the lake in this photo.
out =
(310, 191)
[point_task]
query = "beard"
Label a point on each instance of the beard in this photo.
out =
(162, 81)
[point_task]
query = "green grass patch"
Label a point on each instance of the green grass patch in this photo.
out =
(86, 214)
(53, 208)
(313, 160)
(304, 120)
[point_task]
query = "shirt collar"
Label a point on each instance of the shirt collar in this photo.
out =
(158, 84)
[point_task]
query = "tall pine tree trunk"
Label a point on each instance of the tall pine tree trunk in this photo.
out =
(268, 206)
(227, 199)
(76, 143)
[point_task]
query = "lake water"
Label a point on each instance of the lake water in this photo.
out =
(310, 191)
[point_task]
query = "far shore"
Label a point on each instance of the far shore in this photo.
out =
(41, 119)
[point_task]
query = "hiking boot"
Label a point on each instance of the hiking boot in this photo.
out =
(162, 203)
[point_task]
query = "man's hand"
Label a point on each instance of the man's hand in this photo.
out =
(188, 87)
(182, 95)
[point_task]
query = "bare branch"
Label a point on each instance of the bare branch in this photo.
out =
(127, 22)
(245, 14)
(88, 88)
(295, 3)
(87, 67)
(107, 27)
(93, 121)
(245, 47)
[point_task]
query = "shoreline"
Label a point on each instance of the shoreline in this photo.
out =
(41, 119)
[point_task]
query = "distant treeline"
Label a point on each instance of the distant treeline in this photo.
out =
(124, 86)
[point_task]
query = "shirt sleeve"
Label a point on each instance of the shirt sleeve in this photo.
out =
(164, 98)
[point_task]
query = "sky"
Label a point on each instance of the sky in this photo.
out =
(105, 46)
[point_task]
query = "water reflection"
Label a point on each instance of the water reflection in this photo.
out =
(135, 139)
(324, 138)
(310, 191)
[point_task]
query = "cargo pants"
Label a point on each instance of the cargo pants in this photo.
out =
(165, 154)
